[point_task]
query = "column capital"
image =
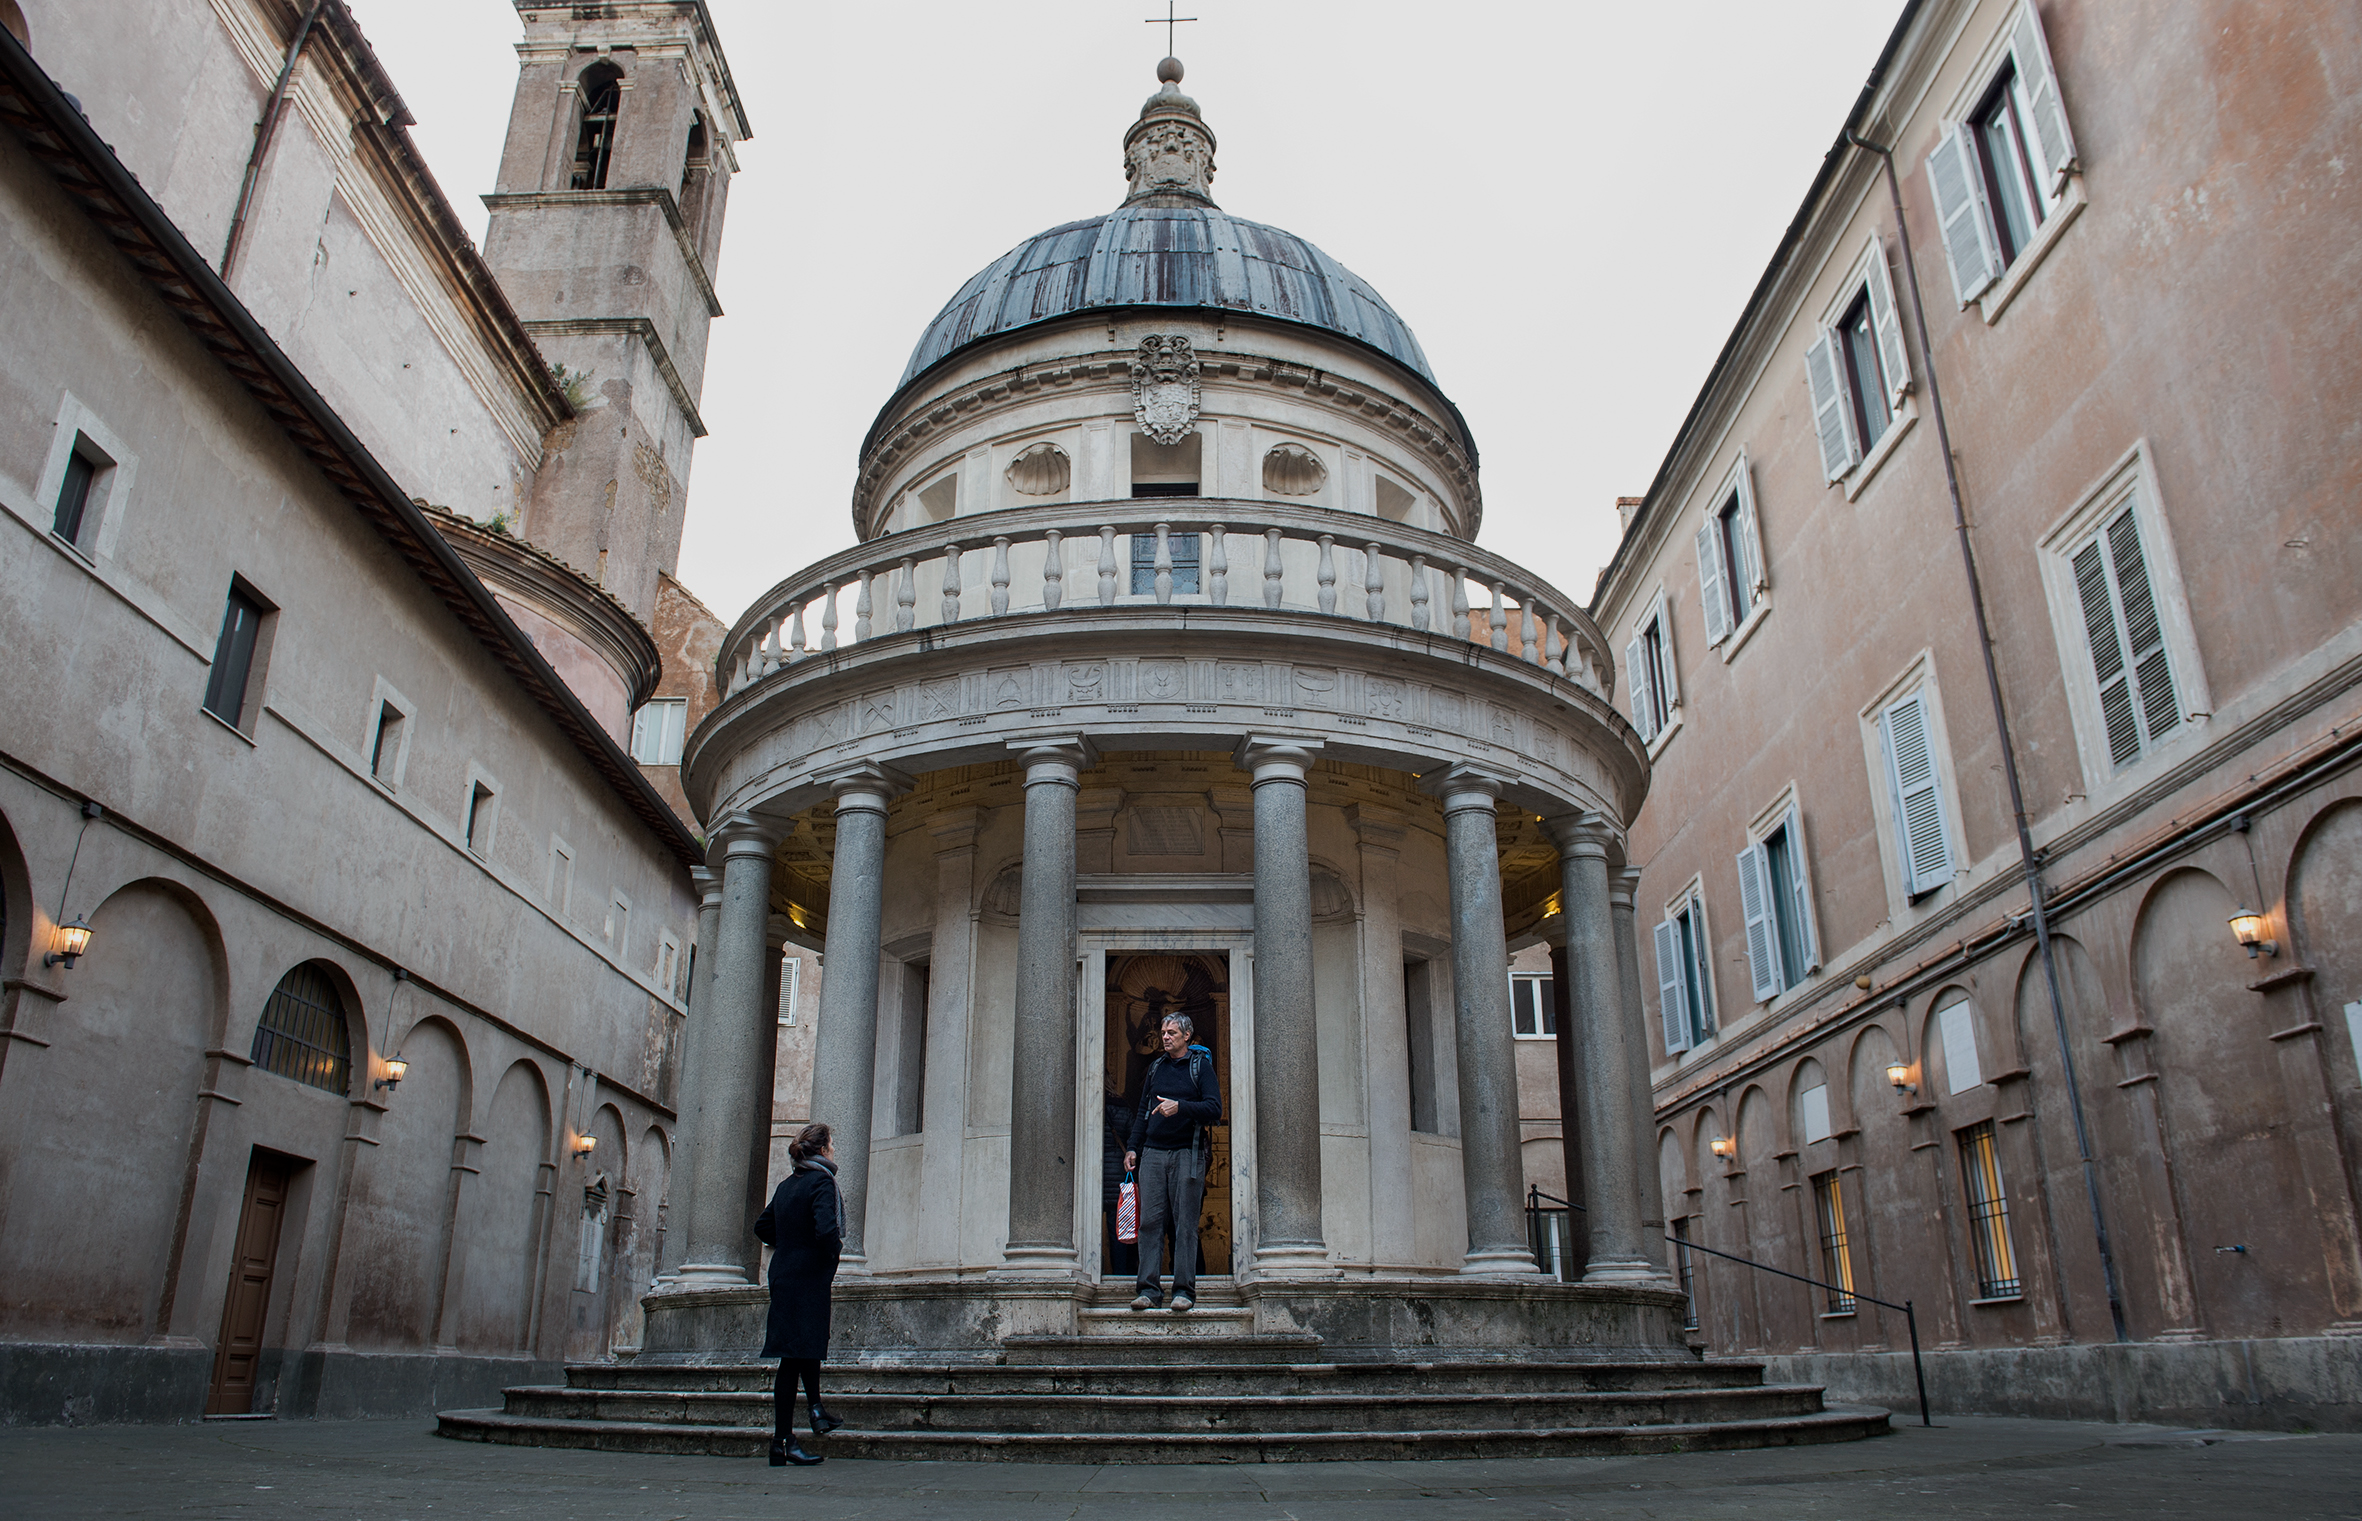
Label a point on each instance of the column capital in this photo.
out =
(1623, 887)
(864, 786)
(1585, 834)
(744, 834)
(1465, 786)
(1059, 761)
(708, 883)
(1276, 758)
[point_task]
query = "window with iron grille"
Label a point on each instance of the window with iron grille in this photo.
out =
(1988, 1214)
(304, 1033)
(1837, 1256)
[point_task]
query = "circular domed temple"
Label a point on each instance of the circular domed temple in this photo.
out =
(1166, 677)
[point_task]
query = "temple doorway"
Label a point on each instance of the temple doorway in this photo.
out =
(1142, 988)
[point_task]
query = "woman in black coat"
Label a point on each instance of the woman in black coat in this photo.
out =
(804, 1226)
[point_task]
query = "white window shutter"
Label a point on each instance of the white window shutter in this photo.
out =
(643, 746)
(1800, 883)
(1671, 677)
(1918, 801)
(2106, 645)
(2152, 671)
(1714, 598)
(1829, 417)
(1644, 716)
(1887, 320)
(1750, 544)
(1962, 214)
(2040, 78)
(1763, 936)
(1672, 986)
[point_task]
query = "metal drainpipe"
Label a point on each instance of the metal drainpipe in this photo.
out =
(2027, 855)
(263, 132)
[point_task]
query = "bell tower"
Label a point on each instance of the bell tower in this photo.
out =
(605, 233)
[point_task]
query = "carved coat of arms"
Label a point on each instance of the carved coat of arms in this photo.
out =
(1164, 388)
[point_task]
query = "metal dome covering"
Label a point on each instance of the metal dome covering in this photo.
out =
(1177, 256)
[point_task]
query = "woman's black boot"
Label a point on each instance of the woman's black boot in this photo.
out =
(784, 1453)
(823, 1423)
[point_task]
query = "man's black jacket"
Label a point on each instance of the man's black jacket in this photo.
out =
(1200, 1100)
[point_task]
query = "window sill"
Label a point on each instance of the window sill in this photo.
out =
(1997, 1299)
(226, 724)
(1665, 735)
(1840, 1314)
(1857, 480)
(1746, 630)
(1997, 297)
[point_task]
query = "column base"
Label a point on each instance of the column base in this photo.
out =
(853, 1263)
(1637, 1272)
(1061, 1263)
(1295, 1262)
(1500, 1260)
(708, 1275)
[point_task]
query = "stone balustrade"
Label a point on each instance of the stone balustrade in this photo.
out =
(1065, 557)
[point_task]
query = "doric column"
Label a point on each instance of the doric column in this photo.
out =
(1623, 884)
(1603, 1107)
(730, 1061)
(1041, 1081)
(1491, 1167)
(844, 1068)
(951, 961)
(1288, 1241)
(755, 1125)
(1385, 1032)
(1570, 1096)
(690, 1088)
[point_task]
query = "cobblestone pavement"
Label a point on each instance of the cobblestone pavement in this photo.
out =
(398, 1471)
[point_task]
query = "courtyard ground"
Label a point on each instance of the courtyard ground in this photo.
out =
(399, 1471)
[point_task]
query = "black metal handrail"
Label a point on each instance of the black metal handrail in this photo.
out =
(1535, 1196)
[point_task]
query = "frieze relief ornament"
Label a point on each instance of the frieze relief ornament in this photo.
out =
(1164, 387)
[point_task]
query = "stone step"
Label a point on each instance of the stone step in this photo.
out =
(1160, 1341)
(1135, 1375)
(1205, 1320)
(1827, 1425)
(1241, 1414)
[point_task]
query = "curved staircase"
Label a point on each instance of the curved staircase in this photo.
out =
(1159, 1387)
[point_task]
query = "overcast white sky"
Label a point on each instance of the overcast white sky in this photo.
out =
(1568, 204)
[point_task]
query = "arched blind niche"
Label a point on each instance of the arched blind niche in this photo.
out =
(304, 1032)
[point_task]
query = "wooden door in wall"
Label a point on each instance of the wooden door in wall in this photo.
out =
(239, 1353)
(1142, 988)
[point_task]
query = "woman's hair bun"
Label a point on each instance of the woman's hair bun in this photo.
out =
(810, 1142)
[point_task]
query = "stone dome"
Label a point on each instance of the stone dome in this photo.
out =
(1176, 256)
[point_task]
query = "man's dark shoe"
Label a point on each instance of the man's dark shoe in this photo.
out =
(1183, 1302)
(1145, 1302)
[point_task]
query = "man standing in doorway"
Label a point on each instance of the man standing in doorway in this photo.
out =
(1171, 1147)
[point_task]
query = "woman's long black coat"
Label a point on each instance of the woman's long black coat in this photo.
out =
(804, 1226)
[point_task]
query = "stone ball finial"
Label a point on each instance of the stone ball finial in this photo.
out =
(1169, 72)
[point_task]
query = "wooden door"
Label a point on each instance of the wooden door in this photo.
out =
(239, 1352)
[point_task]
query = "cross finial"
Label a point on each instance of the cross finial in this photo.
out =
(1169, 21)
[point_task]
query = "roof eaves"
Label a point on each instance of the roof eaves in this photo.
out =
(86, 168)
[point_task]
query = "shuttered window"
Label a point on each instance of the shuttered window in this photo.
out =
(1685, 996)
(2125, 638)
(1858, 369)
(658, 731)
(1998, 174)
(1730, 560)
(1915, 783)
(1649, 674)
(1775, 897)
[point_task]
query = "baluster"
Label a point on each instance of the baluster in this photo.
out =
(1498, 620)
(906, 597)
(1106, 565)
(1272, 573)
(1558, 660)
(1526, 628)
(1053, 570)
(1419, 592)
(828, 616)
(1164, 564)
(1217, 568)
(861, 608)
(738, 677)
(1461, 628)
(1328, 574)
(795, 634)
(1374, 582)
(951, 583)
(1000, 576)
(760, 662)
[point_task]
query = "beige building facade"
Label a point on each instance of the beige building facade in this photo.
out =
(2108, 1150)
(346, 948)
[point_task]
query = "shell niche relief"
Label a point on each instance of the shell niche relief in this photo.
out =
(1040, 470)
(1293, 470)
(1164, 387)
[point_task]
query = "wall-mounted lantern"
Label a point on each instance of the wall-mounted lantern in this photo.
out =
(584, 1145)
(396, 1069)
(1899, 1074)
(2248, 926)
(71, 940)
(1723, 1146)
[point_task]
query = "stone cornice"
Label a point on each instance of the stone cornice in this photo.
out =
(540, 580)
(1110, 371)
(644, 330)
